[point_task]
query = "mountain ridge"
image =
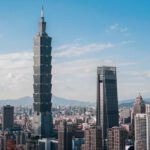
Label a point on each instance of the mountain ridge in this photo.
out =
(26, 101)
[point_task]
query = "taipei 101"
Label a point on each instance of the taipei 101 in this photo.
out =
(74, 75)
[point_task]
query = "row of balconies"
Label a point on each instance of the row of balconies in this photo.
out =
(42, 107)
(43, 69)
(42, 79)
(38, 60)
(42, 88)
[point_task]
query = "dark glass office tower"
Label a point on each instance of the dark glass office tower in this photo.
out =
(42, 119)
(107, 100)
(8, 117)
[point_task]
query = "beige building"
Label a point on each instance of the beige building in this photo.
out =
(142, 131)
(93, 139)
(116, 138)
(65, 133)
(147, 108)
(138, 107)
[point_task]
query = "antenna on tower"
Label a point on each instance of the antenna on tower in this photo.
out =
(42, 12)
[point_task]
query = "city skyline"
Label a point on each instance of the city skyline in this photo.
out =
(94, 38)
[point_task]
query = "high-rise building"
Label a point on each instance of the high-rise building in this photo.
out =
(8, 117)
(93, 139)
(147, 108)
(142, 131)
(65, 133)
(107, 100)
(116, 138)
(138, 107)
(148, 130)
(42, 118)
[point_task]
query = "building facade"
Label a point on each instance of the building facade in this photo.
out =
(65, 133)
(8, 117)
(142, 131)
(138, 107)
(148, 130)
(107, 100)
(93, 139)
(147, 108)
(116, 138)
(42, 118)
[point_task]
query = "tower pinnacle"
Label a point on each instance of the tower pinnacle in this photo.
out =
(42, 24)
(42, 12)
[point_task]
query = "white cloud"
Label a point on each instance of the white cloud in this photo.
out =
(74, 79)
(78, 49)
(118, 28)
(70, 79)
(16, 74)
(77, 79)
(80, 77)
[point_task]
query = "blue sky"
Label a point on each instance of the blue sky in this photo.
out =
(86, 34)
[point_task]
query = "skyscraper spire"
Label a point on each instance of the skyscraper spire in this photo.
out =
(42, 12)
(42, 24)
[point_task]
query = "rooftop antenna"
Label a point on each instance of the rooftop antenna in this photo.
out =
(42, 12)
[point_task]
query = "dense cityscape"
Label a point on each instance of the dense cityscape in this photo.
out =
(104, 125)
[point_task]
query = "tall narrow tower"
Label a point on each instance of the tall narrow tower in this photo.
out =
(42, 119)
(107, 100)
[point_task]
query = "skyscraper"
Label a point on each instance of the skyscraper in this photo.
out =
(42, 119)
(140, 132)
(8, 117)
(107, 100)
(138, 107)
(148, 130)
